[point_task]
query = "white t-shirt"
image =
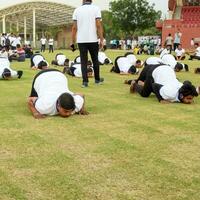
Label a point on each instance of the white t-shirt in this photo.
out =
(179, 52)
(132, 59)
(51, 41)
(78, 59)
(37, 59)
(102, 57)
(43, 41)
(49, 86)
(86, 16)
(169, 59)
(164, 51)
(77, 71)
(124, 64)
(16, 41)
(154, 61)
(4, 63)
(61, 59)
(198, 51)
(166, 76)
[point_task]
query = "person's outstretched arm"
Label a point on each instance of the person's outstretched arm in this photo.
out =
(31, 106)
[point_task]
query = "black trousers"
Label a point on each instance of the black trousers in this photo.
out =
(51, 48)
(147, 78)
(93, 49)
(43, 47)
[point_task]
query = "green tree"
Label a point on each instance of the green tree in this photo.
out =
(133, 15)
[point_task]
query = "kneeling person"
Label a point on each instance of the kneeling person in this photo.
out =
(103, 59)
(123, 66)
(60, 60)
(50, 95)
(38, 62)
(6, 72)
(163, 82)
(75, 70)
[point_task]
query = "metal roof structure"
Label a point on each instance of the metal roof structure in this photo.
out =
(36, 14)
(46, 13)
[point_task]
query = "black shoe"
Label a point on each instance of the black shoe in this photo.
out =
(112, 69)
(186, 68)
(100, 81)
(84, 84)
(19, 73)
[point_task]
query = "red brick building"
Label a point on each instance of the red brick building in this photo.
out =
(185, 16)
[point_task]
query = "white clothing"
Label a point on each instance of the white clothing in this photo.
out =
(86, 16)
(153, 61)
(179, 52)
(169, 59)
(4, 63)
(198, 51)
(49, 86)
(51, 41)
(132, 59)
(124, 64)
(102, 57)
(37, 59)
(43, 41)
(61, 59)
(164, 51)
(166, 76)
(77, 71)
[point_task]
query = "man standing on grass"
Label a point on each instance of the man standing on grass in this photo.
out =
(87, 27)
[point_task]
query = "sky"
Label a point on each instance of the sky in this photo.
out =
(103, 4)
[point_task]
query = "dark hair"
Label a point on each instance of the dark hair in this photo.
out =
(53, 62)
(18, 46)
(197, 70)
(6, 73)
(138, 61)
(107, 61)
(187, 89)
(89, 69)
(42, 64)
(66, 101)
(66, 61)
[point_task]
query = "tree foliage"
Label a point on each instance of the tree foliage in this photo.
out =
(133, 15)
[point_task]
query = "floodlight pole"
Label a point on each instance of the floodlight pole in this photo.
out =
(4, 23)
(25, 29)
(34, 27)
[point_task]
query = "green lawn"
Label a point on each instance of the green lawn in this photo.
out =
(128, 148)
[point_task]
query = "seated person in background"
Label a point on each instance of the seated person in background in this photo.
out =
(180, 53)
(28, 51)
(169, 59)
(103, 59)
(162, 81)
(166, 50)
(6, 72)
(6, 52)
(122, 65)
(133, 60)
(38, 62)
(196, 52)
(50, 95)
(158, 49)
(60, 60)
(75, 70)
(19, 54)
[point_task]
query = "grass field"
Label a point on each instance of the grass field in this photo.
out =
(128, 148)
